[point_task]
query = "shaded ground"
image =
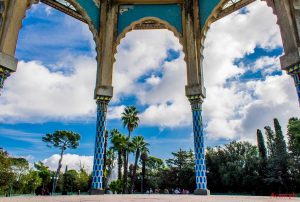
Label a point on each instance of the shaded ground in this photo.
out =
(148, 198)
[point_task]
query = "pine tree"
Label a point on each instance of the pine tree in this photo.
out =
(261, 145)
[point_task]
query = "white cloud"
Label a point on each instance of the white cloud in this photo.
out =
(73, 161)
(35, 94)
(115, 112)
(234, 110)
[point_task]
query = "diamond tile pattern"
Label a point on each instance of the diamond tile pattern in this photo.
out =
(200, 167)
(97, 182)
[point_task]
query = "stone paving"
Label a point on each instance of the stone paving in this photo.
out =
(148, 198)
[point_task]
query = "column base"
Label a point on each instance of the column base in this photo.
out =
(202, 192)
(97, 192)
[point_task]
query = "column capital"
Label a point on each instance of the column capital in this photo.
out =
(103, 98)
(293, 69)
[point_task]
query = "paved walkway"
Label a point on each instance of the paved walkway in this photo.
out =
(148, 198)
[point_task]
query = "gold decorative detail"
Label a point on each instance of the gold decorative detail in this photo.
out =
(150, 24)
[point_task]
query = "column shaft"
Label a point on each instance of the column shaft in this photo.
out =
(200, 167)
(97, 182)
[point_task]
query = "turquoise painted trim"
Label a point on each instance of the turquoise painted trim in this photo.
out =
(92, 10)
(171, 13)
(206, 8)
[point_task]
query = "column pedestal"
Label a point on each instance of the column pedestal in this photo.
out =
(98, 168)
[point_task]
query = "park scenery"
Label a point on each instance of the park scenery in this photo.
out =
(147, 100)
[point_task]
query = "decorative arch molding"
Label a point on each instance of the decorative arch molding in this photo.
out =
(213, 16)
(148, 23)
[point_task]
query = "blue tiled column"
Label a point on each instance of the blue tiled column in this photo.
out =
(97, 181)
(200, 167)
(294, 71)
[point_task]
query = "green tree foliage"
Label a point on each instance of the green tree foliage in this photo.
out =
(44, 174)
(261, 145)
(31, 182)
(82, 181)
(139, 145)
(116, 186)
(130, 120)
(294, 138)
(144, 158)
(270, 140)
(232, 168)
(181, 170)
(118, 145)
(278, 177)
(294, 151)
(110, 158)
(62, 140)
(6, 174)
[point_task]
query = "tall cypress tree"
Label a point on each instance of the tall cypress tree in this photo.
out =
(262, 163)
(270, 140)
(261, 145)
(280, 158)
(279, 140)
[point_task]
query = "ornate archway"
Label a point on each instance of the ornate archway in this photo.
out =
(109, 21)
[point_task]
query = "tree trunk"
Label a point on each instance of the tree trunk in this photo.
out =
(119, 165)
(125, 190)
(125, 172)
(137, 155)
(58, 170)
(143, 176)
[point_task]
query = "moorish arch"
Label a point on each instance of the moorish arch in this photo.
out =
(110, 20)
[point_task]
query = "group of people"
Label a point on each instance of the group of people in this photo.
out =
(166, 191)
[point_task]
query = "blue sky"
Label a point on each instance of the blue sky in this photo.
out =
(53, 87)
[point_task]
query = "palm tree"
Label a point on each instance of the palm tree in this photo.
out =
(140, 146)
(116, 140)
(130, 119)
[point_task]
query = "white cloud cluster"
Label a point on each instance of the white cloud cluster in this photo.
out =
(35, 94)
(73, 161)
(233, 110)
